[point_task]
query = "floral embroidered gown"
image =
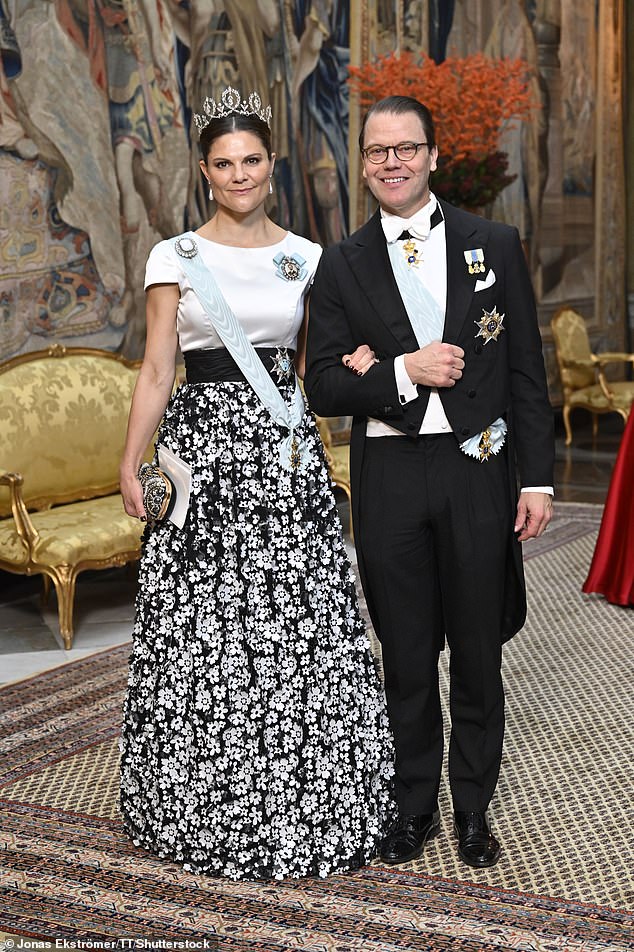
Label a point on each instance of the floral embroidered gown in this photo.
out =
(255, 740)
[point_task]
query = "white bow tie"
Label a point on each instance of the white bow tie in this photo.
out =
(418, 225)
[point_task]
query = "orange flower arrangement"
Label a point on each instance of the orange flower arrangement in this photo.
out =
(472, 99)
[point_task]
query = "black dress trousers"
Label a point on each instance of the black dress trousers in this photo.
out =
(435, 529)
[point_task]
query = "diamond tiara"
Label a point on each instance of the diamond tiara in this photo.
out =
(230, 104)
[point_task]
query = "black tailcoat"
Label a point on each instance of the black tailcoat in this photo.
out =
(355, 300)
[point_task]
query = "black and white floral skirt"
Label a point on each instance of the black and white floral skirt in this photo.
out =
(255, 739)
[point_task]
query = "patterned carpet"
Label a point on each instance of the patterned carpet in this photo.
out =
(562, 811)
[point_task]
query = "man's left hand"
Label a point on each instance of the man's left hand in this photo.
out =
(534, 512)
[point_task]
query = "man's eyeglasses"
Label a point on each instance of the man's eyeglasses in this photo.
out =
(403, 151)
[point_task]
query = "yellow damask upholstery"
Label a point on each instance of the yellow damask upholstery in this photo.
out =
(63, 417)
(583, 381)
(91, 530)
(338, 459)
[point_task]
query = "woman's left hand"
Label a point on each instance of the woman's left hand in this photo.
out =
(361, 360)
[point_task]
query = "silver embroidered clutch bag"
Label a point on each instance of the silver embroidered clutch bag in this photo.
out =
(166, 487)
(158, 492)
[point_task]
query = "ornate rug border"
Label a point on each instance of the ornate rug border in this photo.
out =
(483, 891)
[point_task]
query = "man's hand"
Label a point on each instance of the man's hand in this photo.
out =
(361, 360)
(436, 365)
(534, 512)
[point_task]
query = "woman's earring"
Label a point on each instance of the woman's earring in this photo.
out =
(211, 193)
(270, 185)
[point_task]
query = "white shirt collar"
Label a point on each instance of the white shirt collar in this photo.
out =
(418, 224)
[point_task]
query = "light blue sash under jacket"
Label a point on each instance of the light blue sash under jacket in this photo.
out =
(427, 318)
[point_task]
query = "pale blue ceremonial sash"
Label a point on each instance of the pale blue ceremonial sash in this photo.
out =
(426, 315)
(427, 318)
(293, 452)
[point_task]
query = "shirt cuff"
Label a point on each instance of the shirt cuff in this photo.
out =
(407, 390)
(538, 489)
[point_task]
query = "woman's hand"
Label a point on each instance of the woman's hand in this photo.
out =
(152, 390)
(361, 360)
(132, 494)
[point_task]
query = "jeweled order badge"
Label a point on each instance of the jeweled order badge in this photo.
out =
(290, 267)
(412, 254)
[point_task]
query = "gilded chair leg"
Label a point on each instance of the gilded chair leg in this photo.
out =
(46, 588)
(64, 580)
(349, 495)
(595, 425)
(567, 425)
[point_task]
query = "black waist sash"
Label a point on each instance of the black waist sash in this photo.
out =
(216, 365)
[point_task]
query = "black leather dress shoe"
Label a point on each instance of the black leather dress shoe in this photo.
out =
(476, 844)
(406, 840)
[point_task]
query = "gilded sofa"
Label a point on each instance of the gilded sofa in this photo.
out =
(63, 416)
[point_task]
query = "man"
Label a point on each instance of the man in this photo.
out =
(454, 395)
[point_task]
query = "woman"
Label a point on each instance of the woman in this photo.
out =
(255, 739)
(611, 571)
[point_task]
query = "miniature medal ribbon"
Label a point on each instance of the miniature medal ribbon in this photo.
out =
(293, 452)
(475, 260)
(290, 267)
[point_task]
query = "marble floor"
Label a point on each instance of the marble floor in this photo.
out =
(29, 633)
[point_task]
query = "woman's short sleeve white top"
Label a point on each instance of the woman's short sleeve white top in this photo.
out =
(269, 306)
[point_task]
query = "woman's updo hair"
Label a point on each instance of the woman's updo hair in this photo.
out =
(234, 123)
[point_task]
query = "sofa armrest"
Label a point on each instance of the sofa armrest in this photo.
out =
(612, 357)
(570, 363)
(25, 528)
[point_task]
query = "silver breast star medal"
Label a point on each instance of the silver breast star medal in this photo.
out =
(282, 364)
(490, 325)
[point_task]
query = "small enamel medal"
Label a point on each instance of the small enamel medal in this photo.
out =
(412, 254)
(296, 456)
(475, 260)
(490, 325)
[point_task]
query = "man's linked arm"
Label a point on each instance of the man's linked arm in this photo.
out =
(332, 389)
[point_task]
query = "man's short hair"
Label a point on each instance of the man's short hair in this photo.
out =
(397, 105)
